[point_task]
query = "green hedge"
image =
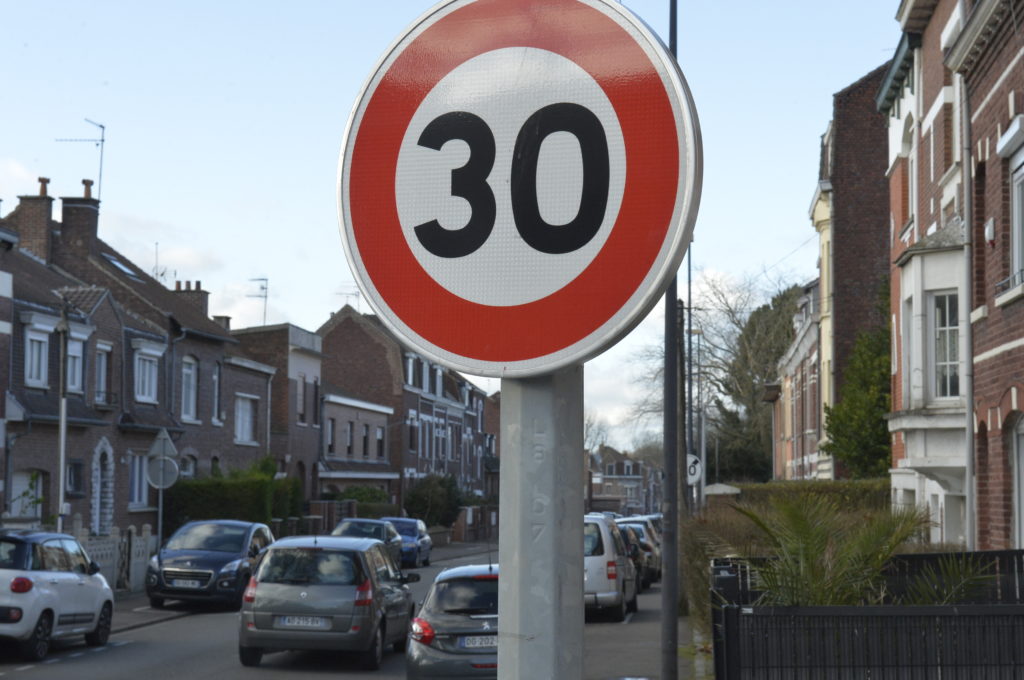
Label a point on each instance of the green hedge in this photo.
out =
(850, 493)
(249, 498)
(376, 510)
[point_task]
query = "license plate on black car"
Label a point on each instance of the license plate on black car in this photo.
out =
(480, 641)
(186, 583)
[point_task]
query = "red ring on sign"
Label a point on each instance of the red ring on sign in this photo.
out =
(596, 43)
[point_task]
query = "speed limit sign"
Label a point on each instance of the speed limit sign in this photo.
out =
(519, 182)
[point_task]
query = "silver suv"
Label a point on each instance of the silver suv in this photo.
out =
(609, 577)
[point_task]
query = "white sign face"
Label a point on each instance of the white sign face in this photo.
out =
(161, 472)
(694, 469)
(519, 182)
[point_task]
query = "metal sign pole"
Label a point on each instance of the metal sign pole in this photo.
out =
(540, 592)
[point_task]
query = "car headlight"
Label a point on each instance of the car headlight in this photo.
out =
(154, 563)
(231, 567)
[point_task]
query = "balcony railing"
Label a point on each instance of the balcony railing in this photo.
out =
(1010, 282)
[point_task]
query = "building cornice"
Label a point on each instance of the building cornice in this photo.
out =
(980, 26)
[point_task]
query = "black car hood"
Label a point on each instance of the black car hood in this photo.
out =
(196, 559)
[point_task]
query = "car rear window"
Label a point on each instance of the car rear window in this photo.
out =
(12, 554)
(464, 596)
(406, 529)
(638, 528)
(360, 530)
(209, 536)
(314, 566)
(592, 543)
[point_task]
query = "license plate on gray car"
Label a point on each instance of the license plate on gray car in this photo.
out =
(480, 641)
(185, 583)
(316, 622)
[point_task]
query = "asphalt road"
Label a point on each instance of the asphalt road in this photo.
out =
(203, 644)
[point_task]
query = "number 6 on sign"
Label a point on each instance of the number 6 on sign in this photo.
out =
(513, 201)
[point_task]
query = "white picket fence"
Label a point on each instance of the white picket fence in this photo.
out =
(122, 555)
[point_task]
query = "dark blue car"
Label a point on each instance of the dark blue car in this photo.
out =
(416, 541)
(206, 561)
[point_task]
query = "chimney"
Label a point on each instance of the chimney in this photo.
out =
(79, 218)
(33, 222)
(223, 321)
(197, 297)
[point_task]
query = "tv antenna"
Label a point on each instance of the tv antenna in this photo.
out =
(159, 273)
(98, 142)
(350, 292)
(264, 287)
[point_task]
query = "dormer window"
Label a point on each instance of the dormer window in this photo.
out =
(37, 352)
(146, 365)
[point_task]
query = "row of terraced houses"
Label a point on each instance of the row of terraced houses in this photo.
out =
(921, 193)
(344, 405)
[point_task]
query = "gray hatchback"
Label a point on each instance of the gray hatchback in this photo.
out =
(325, 593)
(456, 632)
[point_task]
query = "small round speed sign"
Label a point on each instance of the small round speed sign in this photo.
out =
(519, 181)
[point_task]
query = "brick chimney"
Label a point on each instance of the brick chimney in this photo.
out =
(79, 218)
(197, 297)
(32, 221)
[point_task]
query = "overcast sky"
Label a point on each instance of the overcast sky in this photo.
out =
(224, 121)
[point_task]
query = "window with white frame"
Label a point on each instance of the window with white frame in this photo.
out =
(37, 352)
(216, 416)
(189, 389)
(245, 418)
(945, 334)
(137, 495)
(102, 374)
(349, 436)
(1017, 217)
(366, 441)
(188, 467)
(329, 436)
(380, 442)
(75, 365)
(147, 369)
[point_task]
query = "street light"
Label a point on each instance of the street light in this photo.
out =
(62, 328)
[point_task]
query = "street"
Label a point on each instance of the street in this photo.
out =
(203, 644)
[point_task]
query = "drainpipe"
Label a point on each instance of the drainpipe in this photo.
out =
(966, 335)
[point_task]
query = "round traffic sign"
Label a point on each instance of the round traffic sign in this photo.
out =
(519, 182)
(694, 469)
(161, 472)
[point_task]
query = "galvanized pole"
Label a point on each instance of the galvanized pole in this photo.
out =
(540, 592)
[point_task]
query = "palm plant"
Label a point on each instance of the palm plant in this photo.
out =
(821, 555)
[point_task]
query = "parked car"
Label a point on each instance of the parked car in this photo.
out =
(50, 589)
(206, 561)
(640, 557)
(327, 593)
(382, 530)
(609, 578)
(416, 541)
(650, 543)
(455, 634)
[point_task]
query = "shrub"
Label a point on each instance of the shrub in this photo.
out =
(435, 500)
(364, 494)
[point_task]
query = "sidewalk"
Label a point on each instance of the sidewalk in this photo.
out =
(132, 610)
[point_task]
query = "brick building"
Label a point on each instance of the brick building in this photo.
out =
(927, 299)
(437, 425)
(983, 57)
(139, 359)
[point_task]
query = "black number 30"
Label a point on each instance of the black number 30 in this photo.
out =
(470, 181)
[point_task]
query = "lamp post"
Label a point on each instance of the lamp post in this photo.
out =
(697, 411)
(62, 329)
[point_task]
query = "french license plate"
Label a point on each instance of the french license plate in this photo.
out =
(302, 622)
(186, 583)
(480, 641)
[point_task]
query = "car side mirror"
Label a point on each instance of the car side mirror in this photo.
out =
(94, 568)
(410, 578)
(634, 550)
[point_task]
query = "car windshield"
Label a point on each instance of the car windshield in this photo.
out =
(465, 596)
(12, 554)
(406, 529)
(209, 536)
(639, 529)
(360, 530)
(314, 566)
(592, 544)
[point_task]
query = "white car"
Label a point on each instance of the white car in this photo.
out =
(610, 581)
(50, 589)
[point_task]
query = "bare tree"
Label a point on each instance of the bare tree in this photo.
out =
(595, 431)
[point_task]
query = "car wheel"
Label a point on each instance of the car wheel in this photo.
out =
(37, 646)
(250, 656)
(156, 602)
(619, 610)
(372, 657)
(99, 636)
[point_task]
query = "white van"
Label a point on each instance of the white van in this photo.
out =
(609, 577)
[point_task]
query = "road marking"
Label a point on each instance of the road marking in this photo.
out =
(25, 668)
(629, 617)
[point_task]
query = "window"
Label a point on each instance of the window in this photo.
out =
(37, 352)
(366, 441)
(349, 435)
(330, 436)
(102, 374)
(189, 388)
(946, 351)
(610, 469)
(188, 467)
(137, 495)
(74, 478)
(217, 416)
(380, 442)
(74, 366)
(316, 402)
(1017, 217)
(245, 419)
(300, 397)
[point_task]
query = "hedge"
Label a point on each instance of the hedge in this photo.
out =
(850, 493)
(249, 498)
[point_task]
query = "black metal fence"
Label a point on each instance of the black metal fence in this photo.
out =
(980, 639)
